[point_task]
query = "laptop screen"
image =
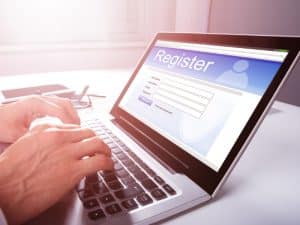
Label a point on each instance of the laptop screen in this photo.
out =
(201, 96)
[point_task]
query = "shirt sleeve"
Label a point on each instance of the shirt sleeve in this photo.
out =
(2, 218)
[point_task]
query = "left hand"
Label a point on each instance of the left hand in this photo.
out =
(15, 118)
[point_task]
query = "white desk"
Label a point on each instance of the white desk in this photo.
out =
(263, 188)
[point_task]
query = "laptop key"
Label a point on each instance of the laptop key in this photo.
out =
(96, 215)
(169, 189)
(106, 173)
(100, 133)
(120, 142)
(158, 194)
(131, 191)
(127, 162)
(103, 137)
(144, 166)
(149, 171)
(144, 199)
(115, 185)
(113, 209)
(89, 204)
(140, 162)
(116, 150)
(107, 141)
(159, 180)
(149, 184)
(110, 178)
(114, 159)
(118, 166)
(124, 147)
(121, 156)
(115, 137)
(122, 173)
(134, 169)
(127, 180)
(100, 188)
(97, 128)
(133, 155)
(107, 199)
(112, 145)
(129, 204)
(140, 176)
(93, 126)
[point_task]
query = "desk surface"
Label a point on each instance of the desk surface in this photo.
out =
(264, 186)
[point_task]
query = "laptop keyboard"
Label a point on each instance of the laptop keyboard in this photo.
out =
(131, 185)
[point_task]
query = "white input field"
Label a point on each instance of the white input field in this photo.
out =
(179, 106)
(197, 91)
(184, 93)
(192, 82)
(181, 100)
(184, 84)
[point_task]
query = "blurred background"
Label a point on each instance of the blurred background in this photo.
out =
(59, 35)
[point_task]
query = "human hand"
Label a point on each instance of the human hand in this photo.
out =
(15, 118)
(33, 180)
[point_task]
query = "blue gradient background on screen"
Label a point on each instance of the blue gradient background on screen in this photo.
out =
(260, 72)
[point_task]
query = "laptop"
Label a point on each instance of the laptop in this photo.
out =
(181, 124)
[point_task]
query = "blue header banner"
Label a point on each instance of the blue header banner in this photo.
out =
(247, 74)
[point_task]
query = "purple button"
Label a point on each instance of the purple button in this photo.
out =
(145, 100)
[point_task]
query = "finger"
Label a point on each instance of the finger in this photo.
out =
(55, 136)
(95, 163)
(66, 104)
(89, 147)
(43, 126)
(41, 108)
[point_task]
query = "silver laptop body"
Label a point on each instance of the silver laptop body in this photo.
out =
(188, 112)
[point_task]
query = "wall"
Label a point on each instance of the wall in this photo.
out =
(192, 15)
(69, 40)
(261, 17)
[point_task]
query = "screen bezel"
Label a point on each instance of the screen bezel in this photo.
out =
(199, 172)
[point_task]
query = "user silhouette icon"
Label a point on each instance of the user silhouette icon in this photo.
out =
(237, 76)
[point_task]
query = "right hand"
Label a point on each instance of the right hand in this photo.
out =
(44, 164)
